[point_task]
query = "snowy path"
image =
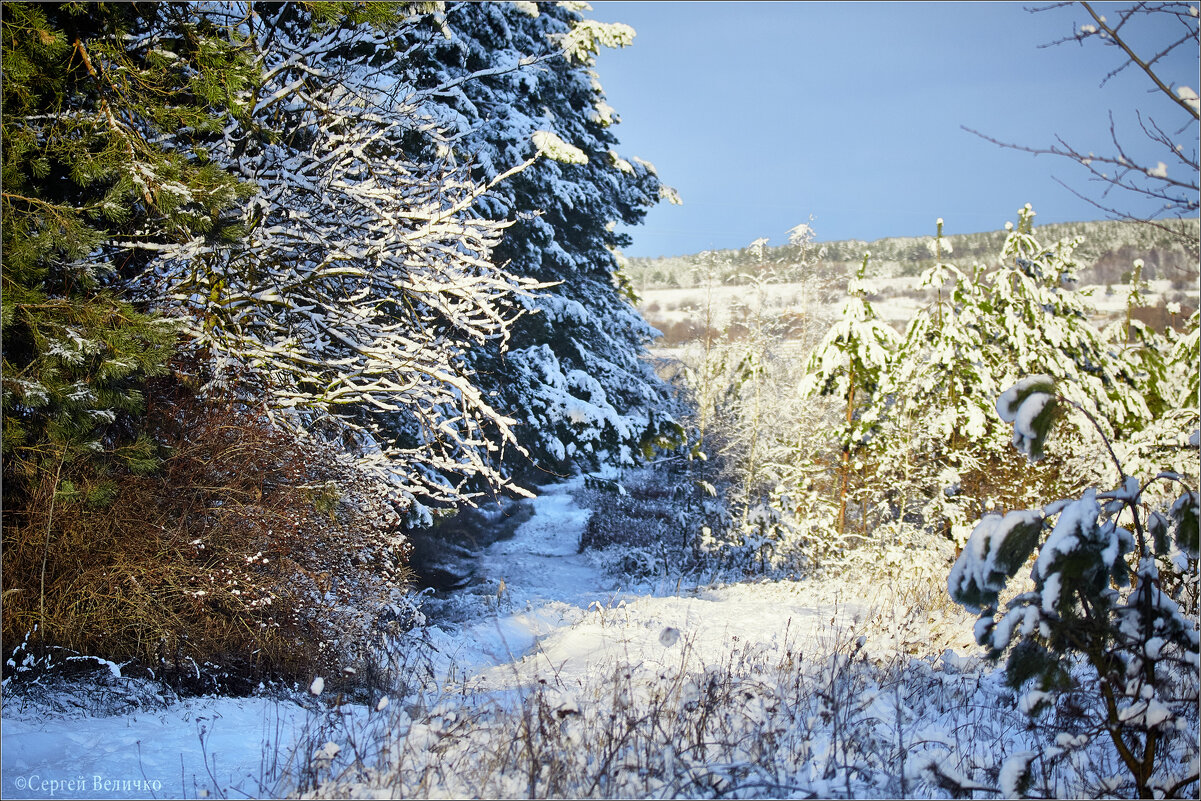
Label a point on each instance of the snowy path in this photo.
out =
(533, 584)
(540, 610)
(217, 745)
(561, 613)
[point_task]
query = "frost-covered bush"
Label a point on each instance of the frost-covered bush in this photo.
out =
(815, 712)
(758, 445)
(1106, 633)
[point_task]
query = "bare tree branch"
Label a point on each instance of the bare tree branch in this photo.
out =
(1144, 66)
(1179, 191)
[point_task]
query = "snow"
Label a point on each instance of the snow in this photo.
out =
(1157, 713)
(1028, 412)
(1014, 771)
(1031, 701)
(553, 147)
(991, 555)
(1011, 401)
(1189, 95)
(543, 621)
(555, 611)
(1074, 528)
(161, 753)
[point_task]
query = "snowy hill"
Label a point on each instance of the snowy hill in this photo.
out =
(803, 285)
(1107, 249)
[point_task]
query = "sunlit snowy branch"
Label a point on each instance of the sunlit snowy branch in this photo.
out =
(366, 274)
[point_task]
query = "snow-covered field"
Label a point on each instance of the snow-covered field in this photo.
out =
(899, 299)
(548, 677)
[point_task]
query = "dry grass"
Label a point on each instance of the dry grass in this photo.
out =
(871, 708)
(246, 555)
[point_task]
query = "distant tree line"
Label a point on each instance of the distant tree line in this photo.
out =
(1106, 243)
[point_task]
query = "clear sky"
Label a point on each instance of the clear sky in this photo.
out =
(762, 114)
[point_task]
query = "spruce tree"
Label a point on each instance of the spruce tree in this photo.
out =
(573, 376)
(983, 331)
(366, 276)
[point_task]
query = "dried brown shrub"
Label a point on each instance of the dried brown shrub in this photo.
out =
(246, 550)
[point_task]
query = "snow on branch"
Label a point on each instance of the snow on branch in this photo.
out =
(365, 276)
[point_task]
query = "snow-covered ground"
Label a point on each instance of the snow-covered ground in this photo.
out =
(543, 608)
(214, 746)
(550, 676)
(899, 300)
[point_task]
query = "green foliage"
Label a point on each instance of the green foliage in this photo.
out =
(377, 14)
(71, 368)
(1030, 406)
(852, 361)
(1044, 329)
(944, 453)
(1185, 362)
(662, 434)
(88, 92)
(1108, 592)
(1184, 518)
(1030, 660)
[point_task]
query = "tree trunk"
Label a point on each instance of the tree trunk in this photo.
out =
(846, 456)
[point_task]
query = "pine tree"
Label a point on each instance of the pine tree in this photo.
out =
(851, 363)
(1113, 592)
(1161, 367)
(1043, 326)
(89, 92)
(940, 426)
(987, 329)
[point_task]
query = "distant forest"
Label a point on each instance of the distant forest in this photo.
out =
(1105, 256)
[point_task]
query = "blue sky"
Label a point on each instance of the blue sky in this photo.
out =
(762, 114)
